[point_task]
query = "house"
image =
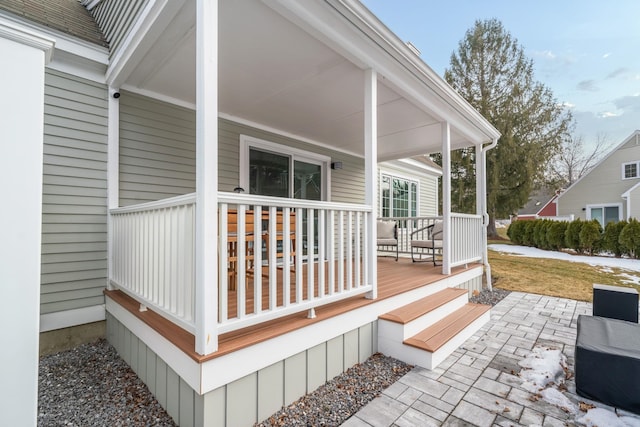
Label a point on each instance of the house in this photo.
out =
(541, 204)
(609, 192)
(204, 176)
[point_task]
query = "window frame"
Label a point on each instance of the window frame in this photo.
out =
(603, 206)
(624, 166)
(392, 176)
(248, 142)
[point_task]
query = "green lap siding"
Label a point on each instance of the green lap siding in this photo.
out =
(158, 146)
(74, 193)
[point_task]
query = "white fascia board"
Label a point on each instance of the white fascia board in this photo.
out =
(349, 28)
(24, 34)
(69, 318)
(627, 193)
(416, 164)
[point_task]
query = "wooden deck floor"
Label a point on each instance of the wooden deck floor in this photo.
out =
(394, 278)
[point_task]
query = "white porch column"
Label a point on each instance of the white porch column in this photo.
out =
(206, 176)
(446, 198)
(113, 169)
(24, 55)
(370, 174)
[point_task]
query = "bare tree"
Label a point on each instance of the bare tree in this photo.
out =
(575, 159)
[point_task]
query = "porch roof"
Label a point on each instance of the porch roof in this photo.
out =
(297, 68)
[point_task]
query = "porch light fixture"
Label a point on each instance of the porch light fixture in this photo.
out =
(336, 165)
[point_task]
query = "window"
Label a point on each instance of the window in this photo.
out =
(604, 214)
(270, 169)
(630, 170)
(398, 196)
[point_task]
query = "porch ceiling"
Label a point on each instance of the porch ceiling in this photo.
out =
(277, 75)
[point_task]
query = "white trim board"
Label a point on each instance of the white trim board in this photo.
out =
(69, 318)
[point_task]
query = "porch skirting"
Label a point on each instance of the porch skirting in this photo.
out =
(252, 398)
(250, 384)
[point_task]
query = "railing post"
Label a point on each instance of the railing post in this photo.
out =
(446, 199)
(206, 176)
(370, 178)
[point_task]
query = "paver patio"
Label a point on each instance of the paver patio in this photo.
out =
(478, 384)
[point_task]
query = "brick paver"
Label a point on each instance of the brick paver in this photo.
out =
(478, 385)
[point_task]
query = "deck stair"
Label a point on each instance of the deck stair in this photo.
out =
(428, 330)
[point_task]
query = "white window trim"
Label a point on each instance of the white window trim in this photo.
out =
(400, 176)
(247, 142)
(637, 163)
(604, 205)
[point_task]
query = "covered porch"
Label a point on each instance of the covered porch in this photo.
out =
(321, 76)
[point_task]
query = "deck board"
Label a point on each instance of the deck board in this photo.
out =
(394, 278)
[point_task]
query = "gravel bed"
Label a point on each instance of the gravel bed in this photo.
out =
(489, 297)
(334, 402)
(91, 385)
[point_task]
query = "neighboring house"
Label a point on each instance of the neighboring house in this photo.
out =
(609, 192)
(130, 130)
(541, 204)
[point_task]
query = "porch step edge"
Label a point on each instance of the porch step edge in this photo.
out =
(437, 335)
(418, 308)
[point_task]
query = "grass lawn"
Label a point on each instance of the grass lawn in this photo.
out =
(548, 276)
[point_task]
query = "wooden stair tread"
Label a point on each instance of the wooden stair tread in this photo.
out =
(412, 311)
(438, 334)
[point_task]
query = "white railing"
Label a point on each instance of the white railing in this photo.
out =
(466, 239)
(298, 254)
(466, 236)
(153, 249)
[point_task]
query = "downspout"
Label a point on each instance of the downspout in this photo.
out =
(485, 214)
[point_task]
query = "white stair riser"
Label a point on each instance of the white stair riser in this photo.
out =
(428, 319)
(415, 356)
(443, 352)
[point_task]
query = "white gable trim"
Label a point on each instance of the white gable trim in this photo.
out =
(22, 34)
(634, 134)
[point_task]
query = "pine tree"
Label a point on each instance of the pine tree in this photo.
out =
(491, 72)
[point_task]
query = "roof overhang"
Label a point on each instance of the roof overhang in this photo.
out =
(298, 68)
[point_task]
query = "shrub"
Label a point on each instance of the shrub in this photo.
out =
(527, 233)
(611, 238)
(555, 235)
(572, 235)
(514, 232)
(630, 238)
(590, 236)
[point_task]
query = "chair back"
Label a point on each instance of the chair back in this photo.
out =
(436, 231)
(387, 229)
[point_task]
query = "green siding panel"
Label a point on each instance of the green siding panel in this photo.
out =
(295, 384)
(74, 197)
(242, 401)
(157, 150)
(316, 367)
(270, 390)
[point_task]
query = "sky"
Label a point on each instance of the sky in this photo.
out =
(586, 51)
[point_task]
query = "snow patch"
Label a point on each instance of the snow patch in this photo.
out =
(600, 417)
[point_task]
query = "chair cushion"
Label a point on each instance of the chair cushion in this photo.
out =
(427, 244)
(385, 229)
(387, 242)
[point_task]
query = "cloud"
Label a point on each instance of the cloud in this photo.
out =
(544, 54)
(606, 55)
(568, 105)
(631, 103)
(607, 114)
(617, 73)
(588, 85)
